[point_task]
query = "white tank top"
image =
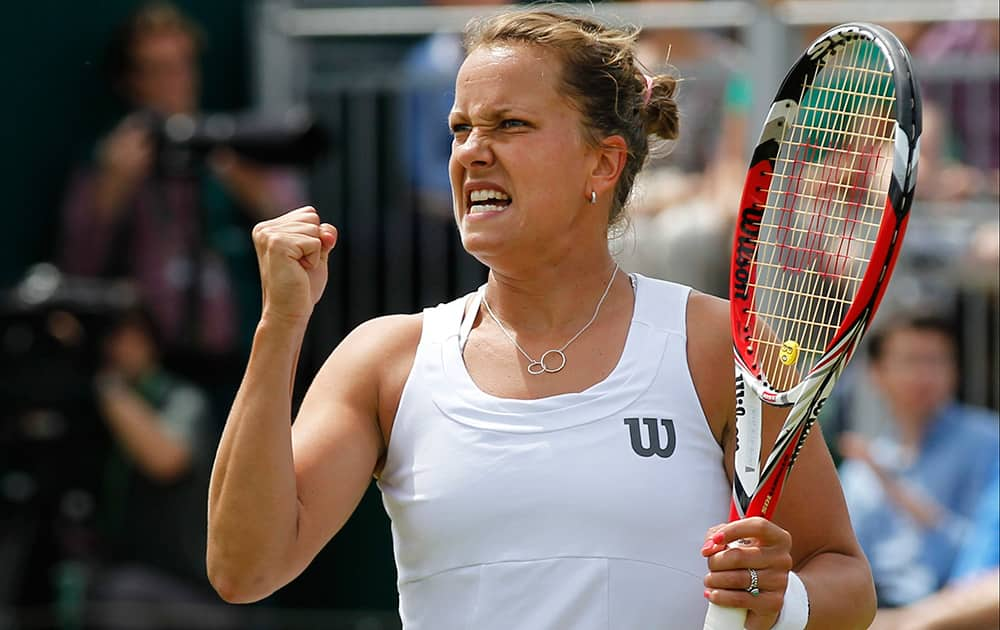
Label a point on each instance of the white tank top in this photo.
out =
(581, 511)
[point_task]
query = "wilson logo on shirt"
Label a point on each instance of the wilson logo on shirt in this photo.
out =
(649, 440)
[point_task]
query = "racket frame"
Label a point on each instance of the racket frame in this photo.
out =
(756, 489)
(898, 201)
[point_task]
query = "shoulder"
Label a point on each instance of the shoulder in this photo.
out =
(184, 409)
(978, 419)
(381, 353)
(383, 337)
(711, 310)
(392, 335)
(366, 371)
(392, 325)
(187, 393)
(972, 426)
(173, 388)
(709, 339)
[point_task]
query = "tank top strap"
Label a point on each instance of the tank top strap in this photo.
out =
(472, 303)
(664, 304)
(448, 319)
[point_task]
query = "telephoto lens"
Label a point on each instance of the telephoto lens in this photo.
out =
(290, 138)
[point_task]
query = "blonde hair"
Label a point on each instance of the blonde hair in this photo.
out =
(601, 77)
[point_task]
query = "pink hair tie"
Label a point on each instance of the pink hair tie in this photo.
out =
(648, 92)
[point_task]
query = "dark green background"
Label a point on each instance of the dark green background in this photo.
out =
(56, 101)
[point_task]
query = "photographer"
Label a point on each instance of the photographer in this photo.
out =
(180, 234)
(153, 505)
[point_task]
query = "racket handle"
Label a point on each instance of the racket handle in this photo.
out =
(724, 618)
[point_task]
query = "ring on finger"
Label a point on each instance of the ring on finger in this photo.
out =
(753, 588)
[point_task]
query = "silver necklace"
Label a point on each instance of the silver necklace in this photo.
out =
(558, 357)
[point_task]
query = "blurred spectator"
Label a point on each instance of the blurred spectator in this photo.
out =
(974, 605)
(942, 176)
(973, 103)
(712, 94)
(686, 199)
(431, 67)
(913, 490)
(174, 231)
(980, 553)
(156, 483)
(971, 601)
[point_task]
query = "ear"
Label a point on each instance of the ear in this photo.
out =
(612, 155)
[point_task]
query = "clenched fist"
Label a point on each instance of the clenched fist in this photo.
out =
(292, 251)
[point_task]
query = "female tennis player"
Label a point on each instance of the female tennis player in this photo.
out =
(552, 448)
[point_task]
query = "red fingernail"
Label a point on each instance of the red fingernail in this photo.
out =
(707, 593)
(708, 545)
(718, 538)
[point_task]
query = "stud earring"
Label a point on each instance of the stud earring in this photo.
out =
(593, 196)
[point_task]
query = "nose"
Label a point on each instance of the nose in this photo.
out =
(474, 151)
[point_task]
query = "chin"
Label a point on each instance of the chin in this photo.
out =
(482, 247)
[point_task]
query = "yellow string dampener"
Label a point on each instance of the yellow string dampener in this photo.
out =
(789, 353)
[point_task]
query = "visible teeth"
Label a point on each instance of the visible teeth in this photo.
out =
(484, 194)
(486, 208)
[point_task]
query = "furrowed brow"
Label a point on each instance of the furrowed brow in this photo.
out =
(493, 115)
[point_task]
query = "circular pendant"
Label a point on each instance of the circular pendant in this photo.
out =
(541, 366)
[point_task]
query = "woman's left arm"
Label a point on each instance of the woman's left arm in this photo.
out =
(810, 533)
(812, 536)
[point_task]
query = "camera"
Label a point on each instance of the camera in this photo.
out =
(50, 330)
(289, 138)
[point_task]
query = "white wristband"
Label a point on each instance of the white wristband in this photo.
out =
(795, 611)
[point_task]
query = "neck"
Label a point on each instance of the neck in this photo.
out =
(550, 299)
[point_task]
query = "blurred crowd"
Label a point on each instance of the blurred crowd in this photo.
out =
(919, 468)
(172, 224)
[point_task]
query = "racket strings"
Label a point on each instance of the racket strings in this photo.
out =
(815, 220)
(823, 211)
(833, 120)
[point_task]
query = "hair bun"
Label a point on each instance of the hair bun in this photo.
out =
(660, 114)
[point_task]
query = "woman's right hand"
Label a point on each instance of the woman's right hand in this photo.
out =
(292, 252)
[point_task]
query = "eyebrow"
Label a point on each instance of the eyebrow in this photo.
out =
(491, 115)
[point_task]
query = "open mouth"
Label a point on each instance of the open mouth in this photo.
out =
(487, 200)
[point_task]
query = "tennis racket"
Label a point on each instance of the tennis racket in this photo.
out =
(822, 217)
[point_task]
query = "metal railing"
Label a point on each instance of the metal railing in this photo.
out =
(387, 21)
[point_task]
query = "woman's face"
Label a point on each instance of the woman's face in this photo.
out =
(519, 164)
